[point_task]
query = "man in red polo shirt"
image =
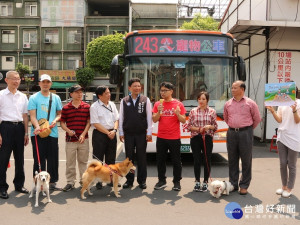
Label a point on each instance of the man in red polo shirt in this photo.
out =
(75, 120)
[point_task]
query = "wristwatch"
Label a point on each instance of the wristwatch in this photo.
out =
(115, 130)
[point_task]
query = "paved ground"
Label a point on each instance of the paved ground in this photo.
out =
(150, 206)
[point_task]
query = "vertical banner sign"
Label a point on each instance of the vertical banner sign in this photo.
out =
(284, 66)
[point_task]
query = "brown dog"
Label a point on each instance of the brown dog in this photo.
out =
(105, 173)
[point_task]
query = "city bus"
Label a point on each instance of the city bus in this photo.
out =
(192, 61)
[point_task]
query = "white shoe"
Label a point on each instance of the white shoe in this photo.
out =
(286, 194)
(279, 191)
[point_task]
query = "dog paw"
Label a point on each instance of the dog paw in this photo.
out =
(49, 200)
(30, 196)
(44, 194)
(82, 197)
(90, 193)
(117, 195)
(36, 205)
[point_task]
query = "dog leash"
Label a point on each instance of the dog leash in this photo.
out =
(37, 149)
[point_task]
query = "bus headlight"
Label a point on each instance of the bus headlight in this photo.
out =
(220, 136)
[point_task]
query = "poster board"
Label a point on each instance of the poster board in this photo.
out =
(280, 94)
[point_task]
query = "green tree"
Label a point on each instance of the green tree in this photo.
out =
(85, 76)
(24, 72)
(200, 23)
(101, 51)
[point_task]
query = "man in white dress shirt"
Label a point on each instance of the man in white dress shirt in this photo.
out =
(13, 132)
(104, 118)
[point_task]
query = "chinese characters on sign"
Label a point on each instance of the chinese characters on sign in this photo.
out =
(284, 66)
(59, 75)
(179, 44)
(270, 211)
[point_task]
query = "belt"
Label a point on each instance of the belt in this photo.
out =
(13, 123)
(239, 129)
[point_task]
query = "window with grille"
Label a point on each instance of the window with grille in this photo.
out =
(8, 36)
(94, 34)
(30, 36)
(73, 62)
(52, 35)
(6, 9)
(52, 62)
(74, 36)
(30, 9)
(30, 61)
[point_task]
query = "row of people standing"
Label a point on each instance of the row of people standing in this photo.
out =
(240, 113)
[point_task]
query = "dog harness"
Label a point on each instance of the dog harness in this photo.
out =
(111, 172)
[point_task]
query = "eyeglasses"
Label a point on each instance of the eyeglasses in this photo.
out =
(164, 91)
(14, 79)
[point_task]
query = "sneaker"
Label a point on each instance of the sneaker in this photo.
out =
(68, 187)
(127, 185)
(286, 194)
(160, 185)
(143, 186)
(177, 186)
(279, 191)
(111, 185)
(204, 187)
(197, 187)
(53, 187)
(99, 185)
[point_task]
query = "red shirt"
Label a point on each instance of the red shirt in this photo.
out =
(199, 118)
(169, 125)
(243, 113)
(75, 119)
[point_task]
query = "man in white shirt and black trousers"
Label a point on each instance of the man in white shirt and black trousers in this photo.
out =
(104, 118)
(13, 132)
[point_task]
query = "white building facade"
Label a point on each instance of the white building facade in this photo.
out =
(267, 34)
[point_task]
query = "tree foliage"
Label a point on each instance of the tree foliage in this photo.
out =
(101, 51)
(85, 76)
(201, 23)
(23, 69)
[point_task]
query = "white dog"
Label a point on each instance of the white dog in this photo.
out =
(220, 187)
(40, 183)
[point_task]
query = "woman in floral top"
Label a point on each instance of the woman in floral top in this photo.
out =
(202, 122)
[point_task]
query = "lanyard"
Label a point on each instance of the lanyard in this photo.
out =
(109, 109)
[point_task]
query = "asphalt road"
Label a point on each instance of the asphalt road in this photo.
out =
(149, 206)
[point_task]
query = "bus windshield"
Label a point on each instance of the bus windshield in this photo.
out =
(189, 75)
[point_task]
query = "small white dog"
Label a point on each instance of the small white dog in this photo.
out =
(40, 183)
(220, 187)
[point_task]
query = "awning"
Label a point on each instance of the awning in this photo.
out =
(62, 85)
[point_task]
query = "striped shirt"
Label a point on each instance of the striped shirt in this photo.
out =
(200, 118)
(75, 119)
(243, 113)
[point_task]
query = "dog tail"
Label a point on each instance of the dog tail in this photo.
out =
(96, 165)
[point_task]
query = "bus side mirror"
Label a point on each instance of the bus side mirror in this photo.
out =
(115, 70)
(241, 68)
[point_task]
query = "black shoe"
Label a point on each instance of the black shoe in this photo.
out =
(99, 185)
(160, 185)
(127, 185)
(22, 190)
(4, 195)
(68, 187)
(54, 187)
(177, 186)
(143, 186)
(111, 184)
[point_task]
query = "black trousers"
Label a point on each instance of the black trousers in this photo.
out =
(103, 146)
(48, 151)
(239, 146)
(199, 154)
(135, 149)
(162, 147)
(12, 141)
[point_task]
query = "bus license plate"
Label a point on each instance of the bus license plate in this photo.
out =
(185, 148)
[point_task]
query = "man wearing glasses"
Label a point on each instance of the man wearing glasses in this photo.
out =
(170, 113)
(75, 120)
(13, 132)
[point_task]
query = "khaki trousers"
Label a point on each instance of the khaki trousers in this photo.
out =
(81, 151)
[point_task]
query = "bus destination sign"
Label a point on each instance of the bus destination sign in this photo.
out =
(179, 44)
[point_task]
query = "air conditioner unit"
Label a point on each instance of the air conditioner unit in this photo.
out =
(26, 45)
(47, 40)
